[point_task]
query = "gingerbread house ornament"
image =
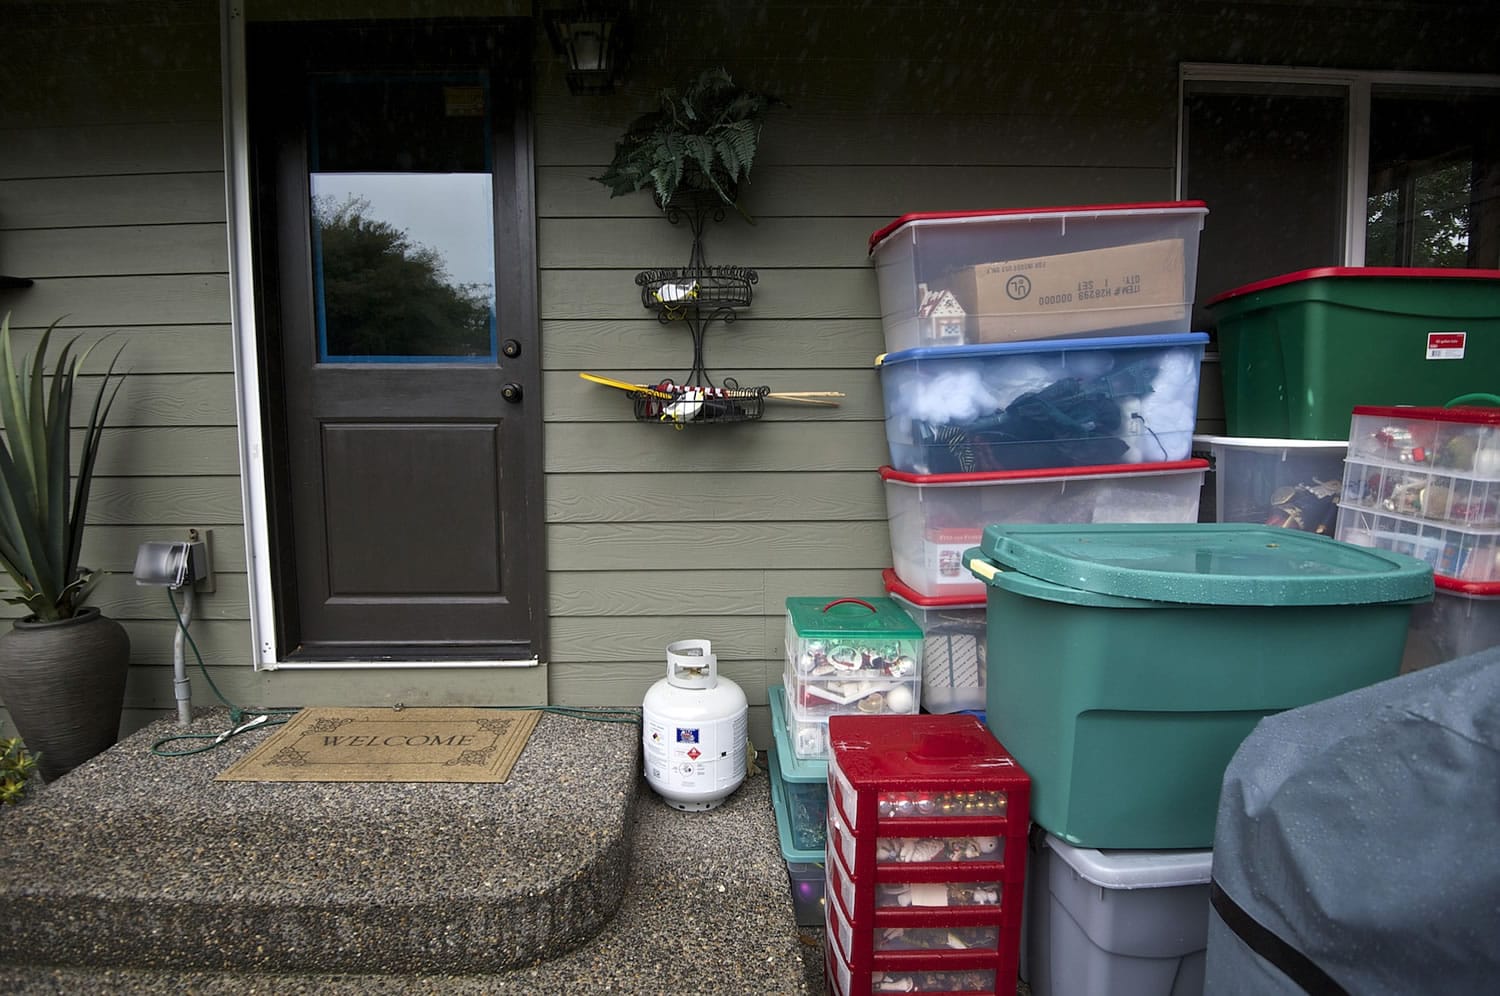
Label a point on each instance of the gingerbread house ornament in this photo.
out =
(940, 317)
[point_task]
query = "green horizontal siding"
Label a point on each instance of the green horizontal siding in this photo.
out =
(111, 196)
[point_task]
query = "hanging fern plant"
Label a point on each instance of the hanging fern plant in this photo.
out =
(702, 140)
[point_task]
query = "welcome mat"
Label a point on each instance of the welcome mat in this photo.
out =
(389, 745)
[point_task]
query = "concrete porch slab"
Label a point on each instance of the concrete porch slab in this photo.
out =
(137, 874)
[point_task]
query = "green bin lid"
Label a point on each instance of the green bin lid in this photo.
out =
(1024, 584)
(1227, 563)
(851, 618)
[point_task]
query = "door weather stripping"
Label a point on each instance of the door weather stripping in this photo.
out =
(393, 665)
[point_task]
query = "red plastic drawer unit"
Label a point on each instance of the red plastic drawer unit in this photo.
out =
(932, 966)
(926, 861)
(983, 937)
(906, 847)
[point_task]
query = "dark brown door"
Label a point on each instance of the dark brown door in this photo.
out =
(397, 260)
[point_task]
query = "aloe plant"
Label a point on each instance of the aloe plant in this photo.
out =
(17, 769)
(42, 506)
(703, 138)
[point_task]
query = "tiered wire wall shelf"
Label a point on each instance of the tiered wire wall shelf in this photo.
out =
(697, 296)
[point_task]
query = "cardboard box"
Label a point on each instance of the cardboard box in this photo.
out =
(1073, 293)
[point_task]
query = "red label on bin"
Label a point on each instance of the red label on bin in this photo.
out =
(1446, 345)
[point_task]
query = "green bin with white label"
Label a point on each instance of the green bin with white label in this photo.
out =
(1298, 352)
(1128, 661)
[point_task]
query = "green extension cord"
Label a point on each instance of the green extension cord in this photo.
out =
(267, 718)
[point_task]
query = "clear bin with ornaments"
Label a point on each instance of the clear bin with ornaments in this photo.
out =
(1426, 482)
(852, 656)
(926, 858)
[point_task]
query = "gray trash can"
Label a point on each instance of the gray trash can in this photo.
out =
(1356, 847)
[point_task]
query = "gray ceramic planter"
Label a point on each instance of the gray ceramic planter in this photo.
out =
(64, 686)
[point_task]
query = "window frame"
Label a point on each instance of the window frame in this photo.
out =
(1358, 86)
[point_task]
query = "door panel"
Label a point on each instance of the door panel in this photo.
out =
(413, 550)
(395, 241)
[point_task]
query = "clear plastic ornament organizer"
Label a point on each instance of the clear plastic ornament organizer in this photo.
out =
(1426, 482)
(848, 656)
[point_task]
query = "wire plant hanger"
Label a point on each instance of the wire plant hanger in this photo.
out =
(698, 295)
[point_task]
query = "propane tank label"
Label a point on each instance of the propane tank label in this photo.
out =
(698, 757)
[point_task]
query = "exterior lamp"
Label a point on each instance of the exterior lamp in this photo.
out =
(592, 39)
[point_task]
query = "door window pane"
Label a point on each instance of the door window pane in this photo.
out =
(1271, 167)
(1434, 195)
(402, 219)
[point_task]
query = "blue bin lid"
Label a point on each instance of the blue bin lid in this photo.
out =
(983, 351)
(1227, 563)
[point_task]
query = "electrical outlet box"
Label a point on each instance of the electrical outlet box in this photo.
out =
(204, 578)
(174, 565)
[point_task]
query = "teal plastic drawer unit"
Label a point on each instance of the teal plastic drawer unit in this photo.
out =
(1127, 662)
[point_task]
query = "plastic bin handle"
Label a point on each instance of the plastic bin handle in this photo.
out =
(854, 601)
(1464, 399)
(984, 569)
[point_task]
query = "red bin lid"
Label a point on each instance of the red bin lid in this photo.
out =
(1458, 413)
(1484, 589)
(1342, 272)
(900, 589)
(889, 473)
(940, 750)
(1153, 207)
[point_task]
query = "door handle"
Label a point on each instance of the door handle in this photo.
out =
(511, 392)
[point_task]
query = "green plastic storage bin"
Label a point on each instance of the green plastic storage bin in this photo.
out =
(1299, 351)
(1127, 662)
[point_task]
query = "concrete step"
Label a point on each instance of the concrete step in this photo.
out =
(141, 874)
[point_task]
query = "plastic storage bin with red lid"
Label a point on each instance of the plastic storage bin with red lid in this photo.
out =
(967, 277)
(953, 645)
(933, 518)
(1463, 618)
(1299, 351)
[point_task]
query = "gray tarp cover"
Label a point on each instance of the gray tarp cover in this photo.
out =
(1364, 831)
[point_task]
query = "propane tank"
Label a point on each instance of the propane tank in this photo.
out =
(693, 730)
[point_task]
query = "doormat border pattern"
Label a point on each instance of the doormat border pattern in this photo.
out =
(340, 744)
